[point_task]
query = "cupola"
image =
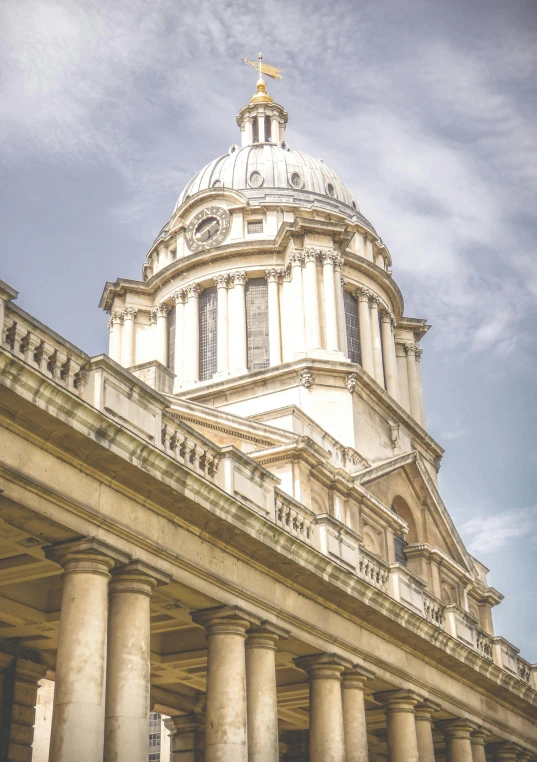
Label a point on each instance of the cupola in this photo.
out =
(262, 120)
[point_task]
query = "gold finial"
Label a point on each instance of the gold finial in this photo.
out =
(261, 95)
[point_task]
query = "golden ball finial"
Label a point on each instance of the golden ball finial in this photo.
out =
(261, 95)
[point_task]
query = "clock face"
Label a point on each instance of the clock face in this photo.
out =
(207, 229)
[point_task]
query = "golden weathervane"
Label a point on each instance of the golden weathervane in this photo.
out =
(270, 71)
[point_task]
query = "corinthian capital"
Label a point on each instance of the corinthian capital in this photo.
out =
(273, 275)
(221, 280)
(239, 277)
(410, 348)
(311, 255)
(296, 258)
(419, 353)
(162, 309)
(193, 291)
(363, 294)
(179, 296)
(374, 300)
(330, 256)
(129, 313)
(116, 316)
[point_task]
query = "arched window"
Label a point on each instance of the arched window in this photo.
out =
(351, 324)
(208, 333)
(171, 339)
(257, 332)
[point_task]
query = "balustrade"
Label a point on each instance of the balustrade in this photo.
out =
(294, 518)
(483, 644)
(189, 449)
(434, 610)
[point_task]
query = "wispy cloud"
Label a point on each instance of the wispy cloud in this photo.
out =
(489, 534)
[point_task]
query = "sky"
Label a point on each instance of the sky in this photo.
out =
(427, 111)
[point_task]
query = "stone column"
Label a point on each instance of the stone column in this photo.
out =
(192, 334)
(340, 309)
(375, 337)
(457, 735)
(523, 755)
(128, 668)
(330, 309)
(388, 354)
(275, 130)
(286, 309)
(275, 338)
(187, 738)
(261, 128)
(247, 135)
(413, 385)
(127, 348)
(296, 745)
(179, 297)
(423, 714)
(297, 304)
(77, 731)
(261, 697)
(504, 752)
(402, 738)
(354, 713)
(222, 333)
(364, 325)
(115, 324)
(237, 323)
(477, 741)
(225, 717)
(327, 735)
(161, 315)
(419, 353)
(311, 300)
(19, 679)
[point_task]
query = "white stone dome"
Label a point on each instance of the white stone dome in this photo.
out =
(272, 171)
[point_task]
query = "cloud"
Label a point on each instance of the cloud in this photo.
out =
(491, 533)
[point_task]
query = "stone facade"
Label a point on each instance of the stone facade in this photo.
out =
(234, 519)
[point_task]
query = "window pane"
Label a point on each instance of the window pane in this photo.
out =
(257, 323)
(256, 226)
(171, 339)
(351, 324)
(208, 336)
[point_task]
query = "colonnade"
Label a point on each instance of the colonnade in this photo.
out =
(306, 317)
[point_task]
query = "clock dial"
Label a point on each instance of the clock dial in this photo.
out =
(208, 228)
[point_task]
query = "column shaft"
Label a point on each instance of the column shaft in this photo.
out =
(192, 335)
(79, 697)
(458, 744)
(477, 741)
(162, 333)
(327, 735)
(354, 715)
(275, 130)
(129, 316)
(402, 738)
(179, 338)
(388, 354)
(419, 353)
(261, 128)
(19, 682)
(128, 668)
(375, 337)
(330, 310)
(237, 324)
(222, 351)
(364, 325)
(311, 301)
(275, 340)
(413, 385)
(424, 730)
(115, 336)
(262, 705)
(340, 309)
(187, 738)
(225, 723)
(299, 343)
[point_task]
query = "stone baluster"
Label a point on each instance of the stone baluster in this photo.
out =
(128, 667)
(296, 306)
(179, 353)
(115, 325)
(388, 354)
(330, 308)
(402, 737)
(478, 739)
(192, 335)
(127, 344)
(340, 308)
(311, 300)
(262, 708)
(237, 323)
(187, 737)
(226, 712)
(327, 735)
(354, 725)
(79, 697)
(161, 313)
(222, 333)
(423, 714)
(376, 340)
(413, 385)
(275, 337)
(457, 734)
(364, 324)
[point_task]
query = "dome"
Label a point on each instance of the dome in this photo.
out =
(272, 171)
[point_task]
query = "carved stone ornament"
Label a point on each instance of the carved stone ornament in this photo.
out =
(179, 296)
(239, 277)
(311, 255)
(363, 293)
(306, 378)
(221, 280)
(350, 382)
(129, 313)
(273, 275)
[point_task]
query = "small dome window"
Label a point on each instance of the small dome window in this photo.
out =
(330, 190)
(256, 179)
(296, 180)
(218, 183)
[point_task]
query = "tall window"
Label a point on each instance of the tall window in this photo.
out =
(171, 339)
(351, 324)
(208, 335)
(257, 333)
